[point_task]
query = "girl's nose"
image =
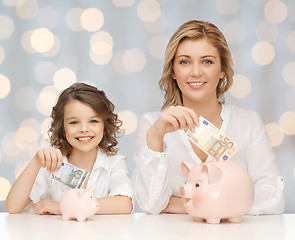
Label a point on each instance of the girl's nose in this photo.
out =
(84, 128)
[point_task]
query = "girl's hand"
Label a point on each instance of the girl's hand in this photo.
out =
(51, 158)
(175, 118)
(47, 206)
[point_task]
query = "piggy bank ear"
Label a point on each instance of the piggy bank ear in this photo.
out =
(214, 173)
(186, 167)
(81, 192)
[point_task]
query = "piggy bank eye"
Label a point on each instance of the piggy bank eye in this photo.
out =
(197, 185)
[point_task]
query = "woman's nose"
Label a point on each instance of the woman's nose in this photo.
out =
(196, 71)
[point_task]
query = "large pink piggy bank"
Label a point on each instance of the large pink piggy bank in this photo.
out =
(79, 204)
(216, 190)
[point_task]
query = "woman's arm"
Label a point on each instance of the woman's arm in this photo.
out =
(114, 205)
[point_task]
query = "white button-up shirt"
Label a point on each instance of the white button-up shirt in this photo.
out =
(109, 177)
(158, 175)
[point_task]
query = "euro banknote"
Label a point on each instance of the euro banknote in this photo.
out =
(212, 141)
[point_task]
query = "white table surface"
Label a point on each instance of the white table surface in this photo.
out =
(142, 226)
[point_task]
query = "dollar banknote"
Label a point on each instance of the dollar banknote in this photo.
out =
(212, 141)
(70, 175)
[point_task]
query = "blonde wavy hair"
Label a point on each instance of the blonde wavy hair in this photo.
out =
(195, 30)
(97, 100)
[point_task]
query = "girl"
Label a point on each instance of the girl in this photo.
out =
(83, 132)
(197, 73)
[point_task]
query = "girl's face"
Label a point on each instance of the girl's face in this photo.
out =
(197, 70)
(83, 127)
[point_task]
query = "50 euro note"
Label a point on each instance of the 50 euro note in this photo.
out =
(212, 141)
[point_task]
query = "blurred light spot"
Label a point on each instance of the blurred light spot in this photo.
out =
(45, 71)
(2, 55)
(267, 31)
(25, 98)
(156, 27)
(47, 17)
(5, 86)
(227, 7)
(28, 10)
(275, 134)
(45, 127)
(100, 59)
(26, 42)
(5, 188)
(241, 86)
(289, 73)
(235, 32)
(291, 42)
(26, 138)
(129, 120)
(102, 37)
(42, 40)
(6, 27)
(157, 46)
(92, 19)
(47, 100)
(13, 3)
(10, 148)
(73, 19)
(53, 51)
(123, 3)
(63, 78)
(68, 61)
(287, 121)
(134, 60)
(275, 11)
(290, 99)
(263, 53)
(148, 10)
(101, 48)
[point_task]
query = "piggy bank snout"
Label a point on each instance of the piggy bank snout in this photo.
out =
(185, 191)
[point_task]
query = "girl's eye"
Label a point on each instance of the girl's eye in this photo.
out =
(73, 122)
(207, 62)
(184, 62)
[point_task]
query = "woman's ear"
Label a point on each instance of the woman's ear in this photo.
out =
(222, 75)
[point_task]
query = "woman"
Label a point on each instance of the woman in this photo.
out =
(197, 73)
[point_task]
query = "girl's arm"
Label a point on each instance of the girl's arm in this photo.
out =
(19, 195)
(114, 205)
(175, 205)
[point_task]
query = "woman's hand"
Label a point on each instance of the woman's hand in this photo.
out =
(51, 158)
(47, 206)
(172, 119)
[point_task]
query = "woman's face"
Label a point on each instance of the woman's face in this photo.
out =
(197, 70)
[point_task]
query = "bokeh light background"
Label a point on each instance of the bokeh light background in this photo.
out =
(118, 46)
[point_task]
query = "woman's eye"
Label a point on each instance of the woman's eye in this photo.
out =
(94, 121)
(207, 62)
(184, 62)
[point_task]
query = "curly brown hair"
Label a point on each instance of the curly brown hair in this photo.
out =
(98, 101)
(195, 30)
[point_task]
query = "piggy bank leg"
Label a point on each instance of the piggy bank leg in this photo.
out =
(235, 219)
(64, 217)
(213, 220)
(81, 219)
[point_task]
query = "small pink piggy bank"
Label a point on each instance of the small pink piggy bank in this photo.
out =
(216, 190)
(79, 204)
